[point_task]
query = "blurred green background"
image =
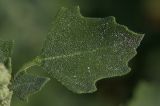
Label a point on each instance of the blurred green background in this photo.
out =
(28, 22)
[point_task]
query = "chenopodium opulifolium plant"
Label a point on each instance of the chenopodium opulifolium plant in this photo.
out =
(77, 52)
(5, 72)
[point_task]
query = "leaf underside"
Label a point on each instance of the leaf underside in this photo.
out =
(79, 50)
(25, 84)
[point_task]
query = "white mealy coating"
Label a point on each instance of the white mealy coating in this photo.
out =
(5, 93)
(4, 75)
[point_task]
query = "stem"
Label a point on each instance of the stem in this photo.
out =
(10, 65)
(34, 62)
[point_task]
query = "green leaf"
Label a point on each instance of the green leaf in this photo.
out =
(25, 84)
(79, 50)
(146, 94)
(6, 48)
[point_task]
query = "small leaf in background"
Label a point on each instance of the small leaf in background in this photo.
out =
(79, 51)
(146, 94)
(25, 84)
(6, 48)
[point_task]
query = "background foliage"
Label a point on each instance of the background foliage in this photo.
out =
(28, 22)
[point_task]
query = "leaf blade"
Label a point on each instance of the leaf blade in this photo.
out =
(79, 51)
